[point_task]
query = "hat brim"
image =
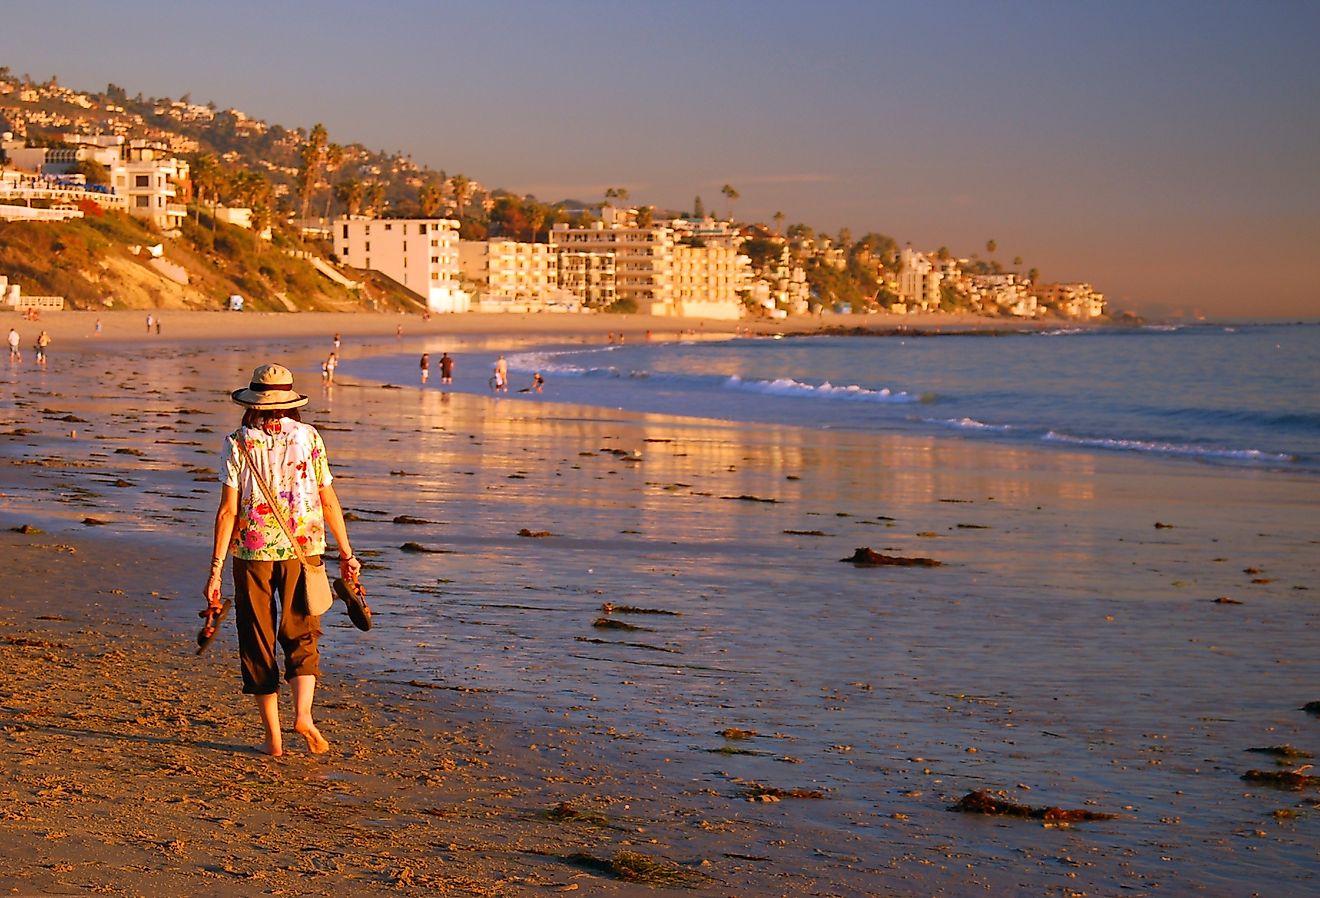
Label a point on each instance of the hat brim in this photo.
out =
(266, 402)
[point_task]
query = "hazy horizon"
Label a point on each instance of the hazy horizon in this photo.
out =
(1166, 153)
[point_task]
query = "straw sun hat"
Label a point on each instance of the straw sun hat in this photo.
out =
(271, 389)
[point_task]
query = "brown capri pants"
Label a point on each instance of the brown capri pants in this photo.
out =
(258, 587)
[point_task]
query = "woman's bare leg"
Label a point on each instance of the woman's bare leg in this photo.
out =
(269, 706)
(304, 690)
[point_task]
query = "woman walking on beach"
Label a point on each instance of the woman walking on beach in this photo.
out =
(269, 586)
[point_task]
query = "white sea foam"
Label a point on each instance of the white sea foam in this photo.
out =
(787, 386)
(548, 363)
(1161, 448)
(967, 424)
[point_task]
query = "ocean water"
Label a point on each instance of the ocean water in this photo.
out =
(1243, 395)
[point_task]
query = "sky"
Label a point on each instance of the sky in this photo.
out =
(1167, 152)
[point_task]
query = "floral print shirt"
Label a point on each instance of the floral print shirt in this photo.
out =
(294, 464)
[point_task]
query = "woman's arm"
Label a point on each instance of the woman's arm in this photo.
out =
(349, 567)
(225, 516)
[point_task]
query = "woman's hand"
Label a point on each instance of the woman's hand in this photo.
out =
(212, 592)
(349, 566)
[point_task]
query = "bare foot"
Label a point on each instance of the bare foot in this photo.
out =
(316, 743)
(271, 747)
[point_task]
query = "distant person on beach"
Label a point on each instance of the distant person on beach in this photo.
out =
(328, 368)
(43, 340)
(98, 327)
(15, 354)
(446, 369)
(426, 366)
(269, 590)
(150, 322)
(157, 325)
(537, 382)
(501, 383)
(336, 342)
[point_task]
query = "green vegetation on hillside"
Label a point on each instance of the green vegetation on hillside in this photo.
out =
(90, 263)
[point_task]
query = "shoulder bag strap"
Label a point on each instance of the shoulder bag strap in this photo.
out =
(270, 497)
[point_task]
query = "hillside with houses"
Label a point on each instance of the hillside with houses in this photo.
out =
(110, 200)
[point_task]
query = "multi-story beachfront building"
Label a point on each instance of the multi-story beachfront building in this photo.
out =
(656, 274)
(144, 174)
(1007, 292)
(589, 277)
(512, 270)
(709, 281)
(147, 176)
(919, 279)
(1075, 300)
(643, 260)
(419, 253)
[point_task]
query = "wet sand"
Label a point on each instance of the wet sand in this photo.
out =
(1069, 651)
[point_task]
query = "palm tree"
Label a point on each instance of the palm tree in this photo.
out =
(253, 190)
(460, 185)
(990, 247)
(334, 157)
(375, 198)
(645, 216)
(536, 218)
(732, 196)
(208, 179)
(352, 193)
(431, 199)
(779, 222)
(615, 193)
(311, 156)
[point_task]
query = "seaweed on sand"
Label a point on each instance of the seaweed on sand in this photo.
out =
(605, 623)
(867, 557)
(1296, 780)
(759, 792)
(733, 733)
(419, 548)
(611, 608)
(565, 812)
(631, 866)
(1282, 752)
(982, 801)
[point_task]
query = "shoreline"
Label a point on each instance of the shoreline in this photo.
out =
(76, 329)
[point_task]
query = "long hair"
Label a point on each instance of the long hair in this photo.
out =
(257, 417)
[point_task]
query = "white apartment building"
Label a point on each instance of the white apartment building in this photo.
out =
(708, 281)
(419, 253)
(1007, 291)
(589, 277)
(510, 268)
(919, 281)
(643, 260)
(143, 173)
(1075, 300)
(146, 176)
